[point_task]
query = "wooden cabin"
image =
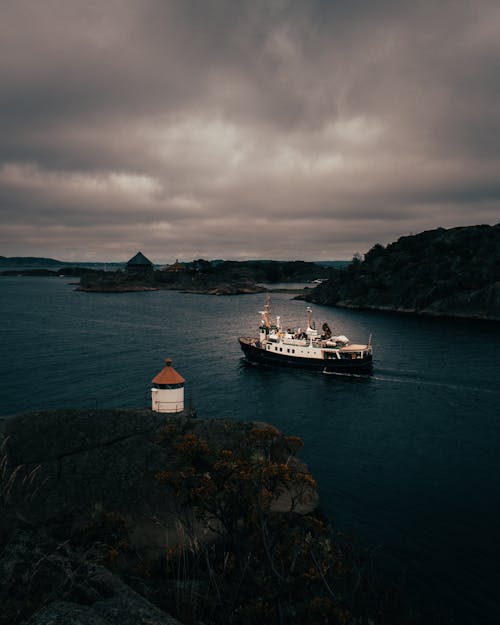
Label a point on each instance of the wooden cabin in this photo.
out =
(139, 264)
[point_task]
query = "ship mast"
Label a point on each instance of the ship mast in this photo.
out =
(266, 313)
(309, 312)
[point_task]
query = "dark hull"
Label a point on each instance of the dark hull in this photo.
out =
(258, 355)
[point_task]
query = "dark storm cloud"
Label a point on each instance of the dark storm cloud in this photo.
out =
(244, 129)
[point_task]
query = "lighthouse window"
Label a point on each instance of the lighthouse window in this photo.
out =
(165, 386)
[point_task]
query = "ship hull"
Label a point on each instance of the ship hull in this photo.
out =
(256, 354)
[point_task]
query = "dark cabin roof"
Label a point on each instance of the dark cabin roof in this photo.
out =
(139, 260)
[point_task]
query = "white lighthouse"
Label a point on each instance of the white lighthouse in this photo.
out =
(167, 394)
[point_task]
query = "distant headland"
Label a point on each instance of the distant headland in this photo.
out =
(454, 273)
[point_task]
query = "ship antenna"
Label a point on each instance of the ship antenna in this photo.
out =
(268, 309)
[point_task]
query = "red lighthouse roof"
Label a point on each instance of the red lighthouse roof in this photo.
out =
(168, 375)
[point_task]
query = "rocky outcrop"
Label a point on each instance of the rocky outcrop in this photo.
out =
(94, 503)
(129, 517)
(78, 463)
(441, 272)
(75, 463)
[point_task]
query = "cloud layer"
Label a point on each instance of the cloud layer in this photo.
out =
(262, 129)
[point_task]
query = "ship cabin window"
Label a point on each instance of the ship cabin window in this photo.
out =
(293, 351)
(281, 349)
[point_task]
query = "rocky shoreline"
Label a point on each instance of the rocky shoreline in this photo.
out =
(120, 285)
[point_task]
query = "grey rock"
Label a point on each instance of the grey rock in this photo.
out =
(80, 463)
(65, 613)
(50, 583)
(62, 469)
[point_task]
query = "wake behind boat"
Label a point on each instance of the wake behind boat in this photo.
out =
(307, 349)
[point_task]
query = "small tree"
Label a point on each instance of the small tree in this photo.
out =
(376, 251)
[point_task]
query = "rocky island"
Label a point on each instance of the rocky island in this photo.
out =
(132, 517)
(203, 277)
(198, 276)
(454, 272)
(123, 282)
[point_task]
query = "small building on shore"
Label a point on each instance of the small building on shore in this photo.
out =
(139, 264)
(167, 394)
(177, 267)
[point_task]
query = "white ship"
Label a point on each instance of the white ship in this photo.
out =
(307, 349)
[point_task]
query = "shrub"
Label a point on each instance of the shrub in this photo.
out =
(265, 566)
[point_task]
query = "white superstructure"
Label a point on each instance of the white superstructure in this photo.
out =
(309, 343)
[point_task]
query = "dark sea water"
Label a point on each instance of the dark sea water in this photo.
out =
(407, 460)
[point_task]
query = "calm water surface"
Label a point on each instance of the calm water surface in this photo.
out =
(407, 460)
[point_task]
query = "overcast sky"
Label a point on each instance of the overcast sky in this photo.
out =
(244, 129)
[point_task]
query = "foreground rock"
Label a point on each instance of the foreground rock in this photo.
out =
(127, 516)
(441, 272)
(78, 463)
(44, 581)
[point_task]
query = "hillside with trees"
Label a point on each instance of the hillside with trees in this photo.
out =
(453, 272)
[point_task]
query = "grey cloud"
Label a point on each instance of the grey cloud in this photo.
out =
(190, 123)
